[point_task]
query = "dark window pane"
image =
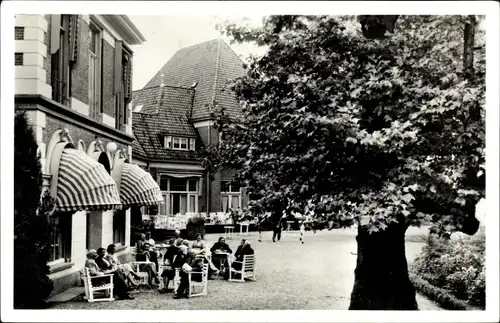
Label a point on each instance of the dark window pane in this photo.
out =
(164, 183)
(18, 59)
(235, 187)
(224, 186)
(19, 33)
(192, 185)
(178, 184)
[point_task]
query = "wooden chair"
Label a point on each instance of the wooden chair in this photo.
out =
(144, 276)
(247, 270)
(90, 288)
(194, 284)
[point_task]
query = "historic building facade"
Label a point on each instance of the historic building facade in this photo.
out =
(172, 122)
(73, 77)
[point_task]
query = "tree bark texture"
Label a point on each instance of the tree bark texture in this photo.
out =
(469, 33)
(381, 276)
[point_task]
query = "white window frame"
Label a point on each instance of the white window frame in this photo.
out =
(168, 196)
(95, 95)
(229, 194)
(176, 143)
(167, 142)
(192, 144)
(183, 142)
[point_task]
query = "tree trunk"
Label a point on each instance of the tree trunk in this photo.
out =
(381, 276)
(469, 33)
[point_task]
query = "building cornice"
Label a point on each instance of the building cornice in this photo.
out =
(59, 111)
(126, 28)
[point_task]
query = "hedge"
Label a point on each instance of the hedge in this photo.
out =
(438, 295)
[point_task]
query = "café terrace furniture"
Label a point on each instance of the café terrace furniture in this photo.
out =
(90, 288)
(228, 232)
(247, 270)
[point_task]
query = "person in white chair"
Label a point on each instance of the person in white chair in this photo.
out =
(243, 249)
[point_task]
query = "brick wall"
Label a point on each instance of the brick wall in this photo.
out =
(53, 124)
(80, 71)
(107, 79)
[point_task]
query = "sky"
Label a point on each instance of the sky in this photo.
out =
(165, 35)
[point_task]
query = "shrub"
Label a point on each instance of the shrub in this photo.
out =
(195, 226)
(456, 266)
(32, 224)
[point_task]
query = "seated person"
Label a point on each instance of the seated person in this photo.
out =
(199, 248)
(185, 256)
(153, 254)
(101, 265)
(220, 259)
(243, 249)
(126, 270)
(199, 245)
(168, 272)
(150, 268)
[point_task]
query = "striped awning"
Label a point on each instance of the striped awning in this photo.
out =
(84, 184)
(138, 187)
(182, 175)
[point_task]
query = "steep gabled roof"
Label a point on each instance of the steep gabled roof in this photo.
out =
(211, 64)
(165, 111)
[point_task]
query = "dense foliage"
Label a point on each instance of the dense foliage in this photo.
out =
(32, 223)
(369, 130)
(380, 124)
(456, 265)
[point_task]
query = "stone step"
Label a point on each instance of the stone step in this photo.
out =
(67, 295)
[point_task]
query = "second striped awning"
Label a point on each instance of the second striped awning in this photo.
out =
(138, 187)
(84, 184)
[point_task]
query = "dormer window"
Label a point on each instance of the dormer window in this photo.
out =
(179, 143)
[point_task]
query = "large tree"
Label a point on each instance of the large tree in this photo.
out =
(381, 130)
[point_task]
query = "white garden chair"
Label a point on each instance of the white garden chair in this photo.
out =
(247, 270)
(90, 288)
(193, 285)
(144, 276)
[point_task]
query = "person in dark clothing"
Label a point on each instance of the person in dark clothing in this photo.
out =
(168, 273)
(277, 229)
(120, 286)
(243, 249)
(220, 260)
(189, 258)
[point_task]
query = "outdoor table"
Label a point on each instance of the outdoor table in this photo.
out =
(228, 231)
(227, 255)
(247, 225)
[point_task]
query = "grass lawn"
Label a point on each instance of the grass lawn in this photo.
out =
(290, 276)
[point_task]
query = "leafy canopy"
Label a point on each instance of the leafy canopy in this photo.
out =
(372, 131)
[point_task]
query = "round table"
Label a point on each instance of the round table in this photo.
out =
(246, 225)
(227, 255)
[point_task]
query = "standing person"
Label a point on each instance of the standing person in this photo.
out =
(277, 229)
(259, 227)
(302, 231)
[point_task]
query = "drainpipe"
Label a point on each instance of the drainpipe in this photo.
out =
(208, 172)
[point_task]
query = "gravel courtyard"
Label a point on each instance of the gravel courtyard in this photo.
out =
(317, 275)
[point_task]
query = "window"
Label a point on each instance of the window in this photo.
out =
(179, 143)
(180, 195)
(184, 143)
(18, 33)
(95, 69)
(176, 143)
(119, 227)
(61, 238)
(122, 83)
(230, 196)
(18, 59)
(61, 57)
